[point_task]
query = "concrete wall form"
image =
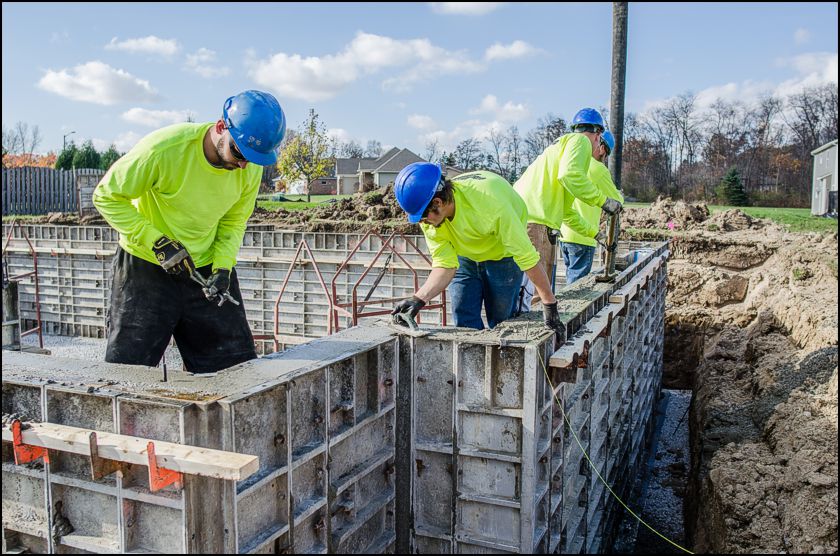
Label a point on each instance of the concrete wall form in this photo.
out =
(367, 442)
(75, 276)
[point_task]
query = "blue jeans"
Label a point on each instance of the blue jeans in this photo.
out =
(578, 260)
(493, 283)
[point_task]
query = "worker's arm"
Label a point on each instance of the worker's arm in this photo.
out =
(574, 169)
(437, 281)
(542, 286)
(231, 228)
(129, 178)
(576, 222)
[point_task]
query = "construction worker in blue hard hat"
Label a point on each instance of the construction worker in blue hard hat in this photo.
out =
(180, 200)
(555, 179)
(474, 226)
(578, 249)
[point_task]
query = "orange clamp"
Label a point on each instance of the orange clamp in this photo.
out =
(24, 453)
(159, 477)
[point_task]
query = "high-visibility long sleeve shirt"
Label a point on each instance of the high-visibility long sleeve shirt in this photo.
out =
(591, 216)
(166, 186)
(490, 223)
(557, 177)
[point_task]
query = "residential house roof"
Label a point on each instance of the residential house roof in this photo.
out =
(350, 166)
(399, 161)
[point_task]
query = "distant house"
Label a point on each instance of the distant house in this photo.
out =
(322, 186)
(824, 184)
(364, 174)
(452, 171)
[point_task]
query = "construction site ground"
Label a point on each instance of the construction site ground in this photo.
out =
(751, 330)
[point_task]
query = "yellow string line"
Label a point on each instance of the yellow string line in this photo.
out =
(565, 418)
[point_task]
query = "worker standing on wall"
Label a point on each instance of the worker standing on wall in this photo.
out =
(180, 200)
(474, 225)
(578, 250)
(555, 179)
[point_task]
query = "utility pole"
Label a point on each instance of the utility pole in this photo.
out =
(619, 69)
(64, 141)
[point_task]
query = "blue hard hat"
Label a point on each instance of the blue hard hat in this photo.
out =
(609, 140)
(257, 124)
(415, 187)
(588, 116)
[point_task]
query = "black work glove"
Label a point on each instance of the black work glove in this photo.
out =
(611, 206)
(551, 318)
(217, 285)
(411, 306)
(173, 256)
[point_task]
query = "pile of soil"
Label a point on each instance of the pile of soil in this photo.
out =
(752, 327)
(376, 209)
(666, 214)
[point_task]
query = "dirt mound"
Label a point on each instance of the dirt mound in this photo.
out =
(363, 211)
(666, 214)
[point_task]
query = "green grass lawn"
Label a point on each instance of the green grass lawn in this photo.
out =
(795, 219)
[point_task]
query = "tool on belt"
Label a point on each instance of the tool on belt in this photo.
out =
(196, 276)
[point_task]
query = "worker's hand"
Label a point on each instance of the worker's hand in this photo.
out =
(411, 306)
(551, 319)
(601, 237)
(217, 285)
(173, 256)
(611, 206)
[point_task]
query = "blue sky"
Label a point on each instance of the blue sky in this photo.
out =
(399, 73)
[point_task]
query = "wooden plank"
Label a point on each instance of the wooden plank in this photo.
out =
(192, 460)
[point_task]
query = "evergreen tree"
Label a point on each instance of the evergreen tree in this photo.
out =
(87, 157)
(731, 190)
(65, 158)
(109, 157)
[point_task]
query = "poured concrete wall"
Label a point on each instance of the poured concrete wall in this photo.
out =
(368, 441)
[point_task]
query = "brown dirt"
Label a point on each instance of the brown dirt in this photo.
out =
(376, 209)
(752, 326)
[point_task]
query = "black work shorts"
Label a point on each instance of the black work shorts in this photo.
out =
(149, 306)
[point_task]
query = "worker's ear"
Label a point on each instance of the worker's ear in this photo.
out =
(220, 126)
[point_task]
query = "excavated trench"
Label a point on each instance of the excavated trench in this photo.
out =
(751, 340)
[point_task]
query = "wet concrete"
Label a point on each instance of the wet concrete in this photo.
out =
(659, 493)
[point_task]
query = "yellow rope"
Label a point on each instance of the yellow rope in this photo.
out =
(565, 418)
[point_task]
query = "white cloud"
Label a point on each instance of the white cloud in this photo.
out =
(465, 8)
(419, 121)
(315, 78)
(59, 37)
(123, 142)
(516, 49)
(155, 118)
(203, 62)
(98, 83)
(811, 70)
(801, 35)
(507, 113)
(146, 45)
(339, 134)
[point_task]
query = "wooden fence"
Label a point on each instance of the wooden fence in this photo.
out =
(44, 190)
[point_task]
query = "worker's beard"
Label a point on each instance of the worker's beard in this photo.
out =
(220, 149)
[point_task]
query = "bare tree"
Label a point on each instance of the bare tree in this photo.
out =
(505, 156)
(549, 129)
(432, 153)
(373, 149)
(468, 154)
(351, 149)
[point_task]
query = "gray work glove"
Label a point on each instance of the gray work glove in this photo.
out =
(611, 206)
(410, 306)
(601, 237)
(173, 256)
(217, 285)
(551, 318)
